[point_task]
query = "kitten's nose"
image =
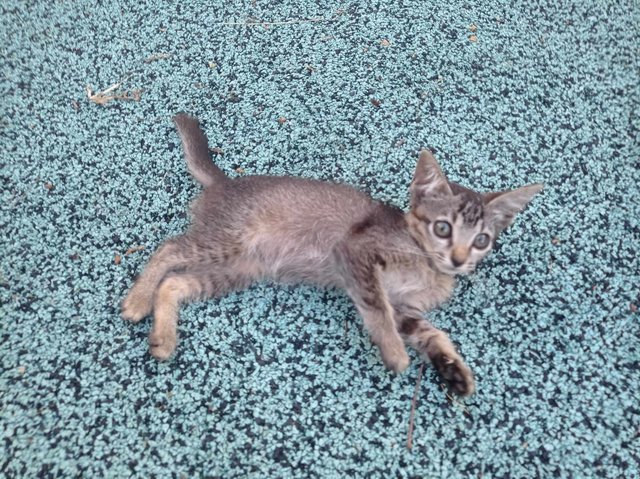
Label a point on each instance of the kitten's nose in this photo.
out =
(458, 257)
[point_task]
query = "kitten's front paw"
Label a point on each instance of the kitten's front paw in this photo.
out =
(135, 306)
(162, 344)
(456, 373)
(395, 357)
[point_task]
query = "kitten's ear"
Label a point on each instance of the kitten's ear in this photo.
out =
(428, 178)
(503, 206)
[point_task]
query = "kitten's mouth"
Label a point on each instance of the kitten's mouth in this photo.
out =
(453, 271)
(448, 270)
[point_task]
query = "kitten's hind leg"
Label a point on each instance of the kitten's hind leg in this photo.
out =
(174, 289)
(177, 288)
(435, 346)
(139, 300)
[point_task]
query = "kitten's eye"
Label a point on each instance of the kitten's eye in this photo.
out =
(442, 229)
(481, 241)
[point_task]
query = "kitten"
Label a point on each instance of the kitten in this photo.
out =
(393, 265)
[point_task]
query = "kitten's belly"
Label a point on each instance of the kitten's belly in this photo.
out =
(293, 251)
(309, 268)
(300, 261)
(419, 288)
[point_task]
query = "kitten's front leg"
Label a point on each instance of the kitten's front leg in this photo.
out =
(378, 315)
(435, 346)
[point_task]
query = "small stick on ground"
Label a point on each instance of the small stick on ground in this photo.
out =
(346, 329)
(252, 23)
(105, 96)
(413, 408)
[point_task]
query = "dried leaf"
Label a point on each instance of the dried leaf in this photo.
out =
(473, 38)
(385, 42)
(282, 120)
(117, 259)
(375, 102)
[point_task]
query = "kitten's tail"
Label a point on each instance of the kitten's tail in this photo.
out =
(196, 151)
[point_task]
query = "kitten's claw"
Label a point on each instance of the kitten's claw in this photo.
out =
(456, 373)
(162, 346)
(135, 307)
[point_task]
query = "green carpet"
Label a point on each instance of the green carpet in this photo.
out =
(282, 381)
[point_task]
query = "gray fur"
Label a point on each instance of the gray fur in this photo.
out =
(295, 230)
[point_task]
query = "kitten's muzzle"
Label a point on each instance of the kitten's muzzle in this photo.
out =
(459, 256)
(456, 262)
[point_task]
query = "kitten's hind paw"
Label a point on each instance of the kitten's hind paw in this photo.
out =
(456, 374)
(135, 307)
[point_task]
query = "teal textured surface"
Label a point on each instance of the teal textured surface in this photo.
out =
(282, 381)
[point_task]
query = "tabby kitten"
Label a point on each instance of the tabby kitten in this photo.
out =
(393, 265)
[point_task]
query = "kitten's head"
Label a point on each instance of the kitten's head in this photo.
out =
(456, 225)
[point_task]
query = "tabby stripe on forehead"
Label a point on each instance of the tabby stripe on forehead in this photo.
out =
(471, 210)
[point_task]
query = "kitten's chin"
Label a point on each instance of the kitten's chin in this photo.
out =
(451, 271)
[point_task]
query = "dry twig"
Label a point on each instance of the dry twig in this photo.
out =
(105, 96)
(253, 23)
(413, 408)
